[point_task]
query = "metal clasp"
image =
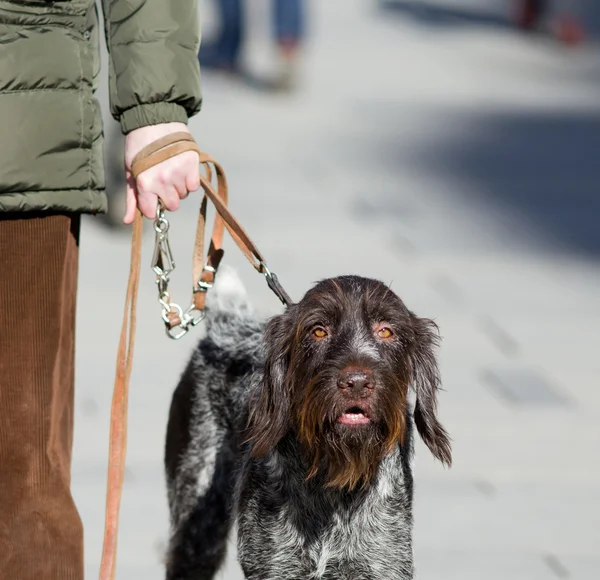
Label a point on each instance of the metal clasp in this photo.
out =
(163, 265)
(274, 285)
(162, 259)
(202, 286)
(187, 321)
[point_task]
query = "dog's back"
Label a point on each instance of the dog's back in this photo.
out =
(202, 436)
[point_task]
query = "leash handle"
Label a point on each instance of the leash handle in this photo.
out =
(177, 320)
(203, 278)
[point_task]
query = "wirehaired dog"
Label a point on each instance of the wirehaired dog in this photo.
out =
(299, 429)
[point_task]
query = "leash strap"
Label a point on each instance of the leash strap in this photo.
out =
(118, 413)
(203, 274)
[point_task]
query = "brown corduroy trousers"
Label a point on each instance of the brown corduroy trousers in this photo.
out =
(41, 536)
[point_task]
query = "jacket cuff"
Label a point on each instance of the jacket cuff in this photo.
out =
(152, 114)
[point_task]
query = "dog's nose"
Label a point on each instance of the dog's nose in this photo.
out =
(356, 382)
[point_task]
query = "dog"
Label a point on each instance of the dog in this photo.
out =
(299, 429)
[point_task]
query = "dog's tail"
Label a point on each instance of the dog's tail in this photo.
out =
(230, 322)
(227, 295)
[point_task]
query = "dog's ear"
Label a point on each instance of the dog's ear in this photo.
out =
(270, 406)
(426, 382)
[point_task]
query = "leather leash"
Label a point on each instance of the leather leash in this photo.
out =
(203, 273)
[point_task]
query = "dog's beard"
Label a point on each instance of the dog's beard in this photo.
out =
(349, 456)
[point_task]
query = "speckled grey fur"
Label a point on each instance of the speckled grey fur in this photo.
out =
(288, 527)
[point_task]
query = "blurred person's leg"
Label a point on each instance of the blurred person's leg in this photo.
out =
(289, 24)
(289, 29)
(529, 13)
(565, 24)
(41, 535)
(225, 50)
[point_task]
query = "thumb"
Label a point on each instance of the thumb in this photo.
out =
(130, 200)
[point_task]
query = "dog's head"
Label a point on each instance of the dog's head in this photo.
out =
(337, 371)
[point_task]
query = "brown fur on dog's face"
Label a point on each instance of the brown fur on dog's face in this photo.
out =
(337, 370)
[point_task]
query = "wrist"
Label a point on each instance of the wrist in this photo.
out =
(141, 137)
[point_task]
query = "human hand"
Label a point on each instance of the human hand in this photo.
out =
(170, 181)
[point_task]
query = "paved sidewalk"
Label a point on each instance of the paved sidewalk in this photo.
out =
(457, 160)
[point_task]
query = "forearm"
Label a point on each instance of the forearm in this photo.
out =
(153, 65)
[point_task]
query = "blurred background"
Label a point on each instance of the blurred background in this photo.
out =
(448, 147)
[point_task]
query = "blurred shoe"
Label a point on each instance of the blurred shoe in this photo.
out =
(568, 30)
(287, 78)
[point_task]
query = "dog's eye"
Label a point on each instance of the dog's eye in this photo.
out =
(385, 332)
(319, 332)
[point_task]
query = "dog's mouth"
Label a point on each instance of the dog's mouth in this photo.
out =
(354, 416)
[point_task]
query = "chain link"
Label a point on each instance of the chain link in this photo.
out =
(163, 265)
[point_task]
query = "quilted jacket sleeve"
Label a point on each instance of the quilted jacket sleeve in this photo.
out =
(153, 64)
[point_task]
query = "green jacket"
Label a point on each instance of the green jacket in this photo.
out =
(50, 122)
